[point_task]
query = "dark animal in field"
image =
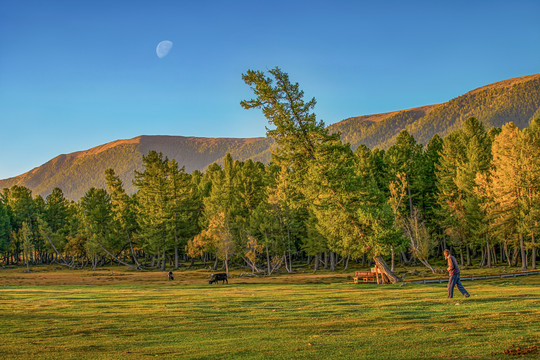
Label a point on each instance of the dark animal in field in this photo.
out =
(171, 276)
(219, 277)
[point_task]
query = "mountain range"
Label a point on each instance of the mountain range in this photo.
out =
(516, 100)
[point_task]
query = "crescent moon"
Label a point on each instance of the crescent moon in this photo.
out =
(163, 48)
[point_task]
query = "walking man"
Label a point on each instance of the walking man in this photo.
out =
(453, 270)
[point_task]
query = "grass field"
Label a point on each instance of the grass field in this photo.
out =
(118, 314)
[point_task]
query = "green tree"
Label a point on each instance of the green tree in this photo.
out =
(5, 229)
(289, 212)
(25, 238)
(123, 209)
(23, 210)
(183, 207)
(54, 225)
(97, 221)
(265, 223)
(56, 210)
(403, 158)
(325, 168)
(466, 154)
(153, 204)
(412, 225)
(23, 207)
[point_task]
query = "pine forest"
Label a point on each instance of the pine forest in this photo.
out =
(318, 202)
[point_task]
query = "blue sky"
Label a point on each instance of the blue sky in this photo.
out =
(77, 74)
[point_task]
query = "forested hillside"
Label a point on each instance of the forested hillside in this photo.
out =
(75, 173)
(475, 191)
(516, 100)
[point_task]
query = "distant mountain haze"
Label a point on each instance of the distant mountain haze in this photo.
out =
(516, 100)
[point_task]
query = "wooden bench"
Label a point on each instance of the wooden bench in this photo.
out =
(371, 276)
(364, 276)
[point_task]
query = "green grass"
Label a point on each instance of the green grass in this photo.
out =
(171, 320)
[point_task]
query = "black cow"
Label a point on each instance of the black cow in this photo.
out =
(219, 277)
(171, 276)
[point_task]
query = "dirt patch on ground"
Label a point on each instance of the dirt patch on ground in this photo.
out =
(50, 276)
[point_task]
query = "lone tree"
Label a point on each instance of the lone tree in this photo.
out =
(350, 210)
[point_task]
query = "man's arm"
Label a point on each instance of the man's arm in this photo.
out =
(450, 264)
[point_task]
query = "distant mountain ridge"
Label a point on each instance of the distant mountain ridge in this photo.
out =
(516, 100)
(76, 172)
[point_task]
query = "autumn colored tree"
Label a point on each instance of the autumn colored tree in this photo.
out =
(513, 186)
(217, 237)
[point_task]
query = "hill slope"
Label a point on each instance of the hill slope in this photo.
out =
(75, 173)
(516, 100)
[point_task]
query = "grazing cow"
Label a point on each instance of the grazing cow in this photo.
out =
(171, 276)
(219, 277)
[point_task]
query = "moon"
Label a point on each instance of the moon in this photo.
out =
(163, 48)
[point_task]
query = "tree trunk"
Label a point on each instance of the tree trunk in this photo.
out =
(133, 254)
(533, 265)
(347, 262)
(332, 261)
(407, 261)
(381, 264)
(316, 267)
(410, 198)
(523, 255)
(488, 251)
(428, 265)
(468, 256)
(114, 257)
(163, 263)
(57, 252)
(515, 257)
(268, 260)
(444, 243)
(175, 256)
(227, 263)
(507, 253)
(289, 270)
(393, 258)
(289, 243)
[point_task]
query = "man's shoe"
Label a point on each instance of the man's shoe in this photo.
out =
(467, 295)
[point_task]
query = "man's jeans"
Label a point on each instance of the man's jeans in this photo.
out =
(453, 281)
